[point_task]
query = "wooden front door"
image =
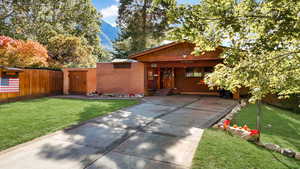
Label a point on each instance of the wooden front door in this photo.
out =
(153, 76)
(166, 78)
(77, 82)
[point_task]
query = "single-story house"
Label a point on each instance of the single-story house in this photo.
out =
(163, 69)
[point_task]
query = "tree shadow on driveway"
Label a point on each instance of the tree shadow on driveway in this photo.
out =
(130, 138)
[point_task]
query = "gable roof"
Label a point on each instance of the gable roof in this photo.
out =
(175, 51)
(154, 49)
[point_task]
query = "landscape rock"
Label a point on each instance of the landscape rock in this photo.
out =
(216, 126)
(229, 117)
(139, 95)
(288, 152)
(297, 155)
(243, 103)
(273, 147)
(269, 125)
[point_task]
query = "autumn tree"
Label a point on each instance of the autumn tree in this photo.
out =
(142, 25)
(41, 20)
(18, 53)
(263, 39)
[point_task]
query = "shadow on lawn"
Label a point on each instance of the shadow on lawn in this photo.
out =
(124, 133)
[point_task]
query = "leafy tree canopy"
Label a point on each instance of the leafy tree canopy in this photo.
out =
(40, 20)
(263, 38)
(22, 53)
(71, 51)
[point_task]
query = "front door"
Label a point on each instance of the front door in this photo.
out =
(166, 78)
(77, 82)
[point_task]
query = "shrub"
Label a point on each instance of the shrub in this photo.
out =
(17, 53)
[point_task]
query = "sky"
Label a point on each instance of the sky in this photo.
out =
(109, 8)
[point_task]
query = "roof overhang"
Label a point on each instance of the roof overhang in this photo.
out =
(10, 69)
(138, 55)
(153, 49)
(123, 61)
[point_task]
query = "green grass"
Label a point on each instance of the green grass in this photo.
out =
(220, 150)
(279, 126)
(25, 120)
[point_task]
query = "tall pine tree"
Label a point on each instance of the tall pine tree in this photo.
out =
(142, 24)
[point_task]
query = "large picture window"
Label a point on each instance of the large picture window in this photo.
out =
(197, 71)
(193, 72)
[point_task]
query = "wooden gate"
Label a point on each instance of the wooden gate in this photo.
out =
(77, 80)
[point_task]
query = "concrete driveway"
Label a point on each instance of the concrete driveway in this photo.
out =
(162, 132)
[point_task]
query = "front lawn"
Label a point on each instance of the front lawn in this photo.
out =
(279, 126)
(220, 150)
(25, 120)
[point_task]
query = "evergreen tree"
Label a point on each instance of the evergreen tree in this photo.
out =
(142, 25)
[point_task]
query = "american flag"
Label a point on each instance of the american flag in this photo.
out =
(9, 85)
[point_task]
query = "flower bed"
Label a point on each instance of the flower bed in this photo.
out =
(244, 132)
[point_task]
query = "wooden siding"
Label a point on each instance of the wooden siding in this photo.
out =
(184, 64)
(35, 83)
(177, 52)
(189, 84)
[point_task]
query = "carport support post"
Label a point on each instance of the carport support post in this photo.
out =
(258, 119)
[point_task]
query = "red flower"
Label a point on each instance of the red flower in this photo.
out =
(254, 132)
(227, 122)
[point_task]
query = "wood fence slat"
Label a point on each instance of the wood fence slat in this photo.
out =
(34, 83)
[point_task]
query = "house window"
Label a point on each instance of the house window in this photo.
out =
(193, 72)
(122, 65)
(208, 69)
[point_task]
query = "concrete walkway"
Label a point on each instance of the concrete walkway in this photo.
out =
(161, 133)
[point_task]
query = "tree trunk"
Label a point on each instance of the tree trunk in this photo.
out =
(258, 119)
(144, 25)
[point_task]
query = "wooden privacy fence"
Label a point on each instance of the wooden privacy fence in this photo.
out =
(36, 83)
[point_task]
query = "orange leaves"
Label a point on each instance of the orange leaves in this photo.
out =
(17, 53)
(4, 41)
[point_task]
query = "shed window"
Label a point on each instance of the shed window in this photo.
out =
(193, 72)
(122, 65)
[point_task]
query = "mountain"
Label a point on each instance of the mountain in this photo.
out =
(108, 34)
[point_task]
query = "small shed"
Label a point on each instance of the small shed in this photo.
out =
(79, 81)
(120, 76)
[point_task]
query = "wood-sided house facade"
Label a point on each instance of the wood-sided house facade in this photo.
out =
(173, 67)
(170, 68)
